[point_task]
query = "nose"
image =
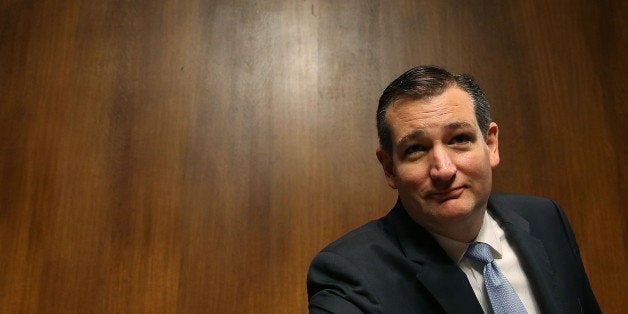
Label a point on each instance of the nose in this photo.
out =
(442, 167)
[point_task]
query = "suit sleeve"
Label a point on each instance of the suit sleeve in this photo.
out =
(335, 285)
(588, 303)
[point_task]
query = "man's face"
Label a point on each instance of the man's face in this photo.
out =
(441, 165)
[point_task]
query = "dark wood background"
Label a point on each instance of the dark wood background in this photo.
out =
(193, 156)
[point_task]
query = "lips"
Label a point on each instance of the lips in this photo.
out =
(445, 195)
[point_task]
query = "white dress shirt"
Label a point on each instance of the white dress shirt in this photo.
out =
(505, 258)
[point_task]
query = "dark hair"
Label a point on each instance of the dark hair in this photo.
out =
(423, 82)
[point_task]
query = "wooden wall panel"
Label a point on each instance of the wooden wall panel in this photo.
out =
(193, 156)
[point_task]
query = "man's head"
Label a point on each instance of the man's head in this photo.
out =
(438, 148)
(423, 82)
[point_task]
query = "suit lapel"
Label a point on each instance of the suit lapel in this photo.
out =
(532, 254)
(436, 272)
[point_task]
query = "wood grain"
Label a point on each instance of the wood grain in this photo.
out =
(193, 156)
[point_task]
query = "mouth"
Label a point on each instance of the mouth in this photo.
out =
(445, 195)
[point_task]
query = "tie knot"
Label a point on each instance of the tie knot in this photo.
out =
(480, 252)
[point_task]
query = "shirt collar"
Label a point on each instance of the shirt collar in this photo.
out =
(456, 249)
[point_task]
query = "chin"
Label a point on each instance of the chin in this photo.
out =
(454, 209)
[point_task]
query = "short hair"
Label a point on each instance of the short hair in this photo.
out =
(427, 81)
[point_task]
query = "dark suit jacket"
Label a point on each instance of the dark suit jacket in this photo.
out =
(393, 265)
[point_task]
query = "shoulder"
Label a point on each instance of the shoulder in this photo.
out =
(520, 200)
(361, 239)
(341, 277)
(360, 250)
(526, 206)
(541, 217)
(385, 236)
(355, 272)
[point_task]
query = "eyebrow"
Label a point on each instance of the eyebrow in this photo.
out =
(460, 125)
(421, 132)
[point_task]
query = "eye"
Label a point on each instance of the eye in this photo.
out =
(415, 149)
(461, 139)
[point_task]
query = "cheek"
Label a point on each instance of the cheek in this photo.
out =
(411, 174)
(475, 165)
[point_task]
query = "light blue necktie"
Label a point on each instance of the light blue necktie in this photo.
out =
(502, 296)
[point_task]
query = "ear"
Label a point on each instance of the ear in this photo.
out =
(492, 141)
(387, 164)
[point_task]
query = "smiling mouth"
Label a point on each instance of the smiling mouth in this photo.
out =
(445, 195)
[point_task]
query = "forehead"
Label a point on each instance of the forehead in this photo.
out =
(452, 106)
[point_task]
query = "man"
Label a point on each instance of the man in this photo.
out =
(438, 147)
